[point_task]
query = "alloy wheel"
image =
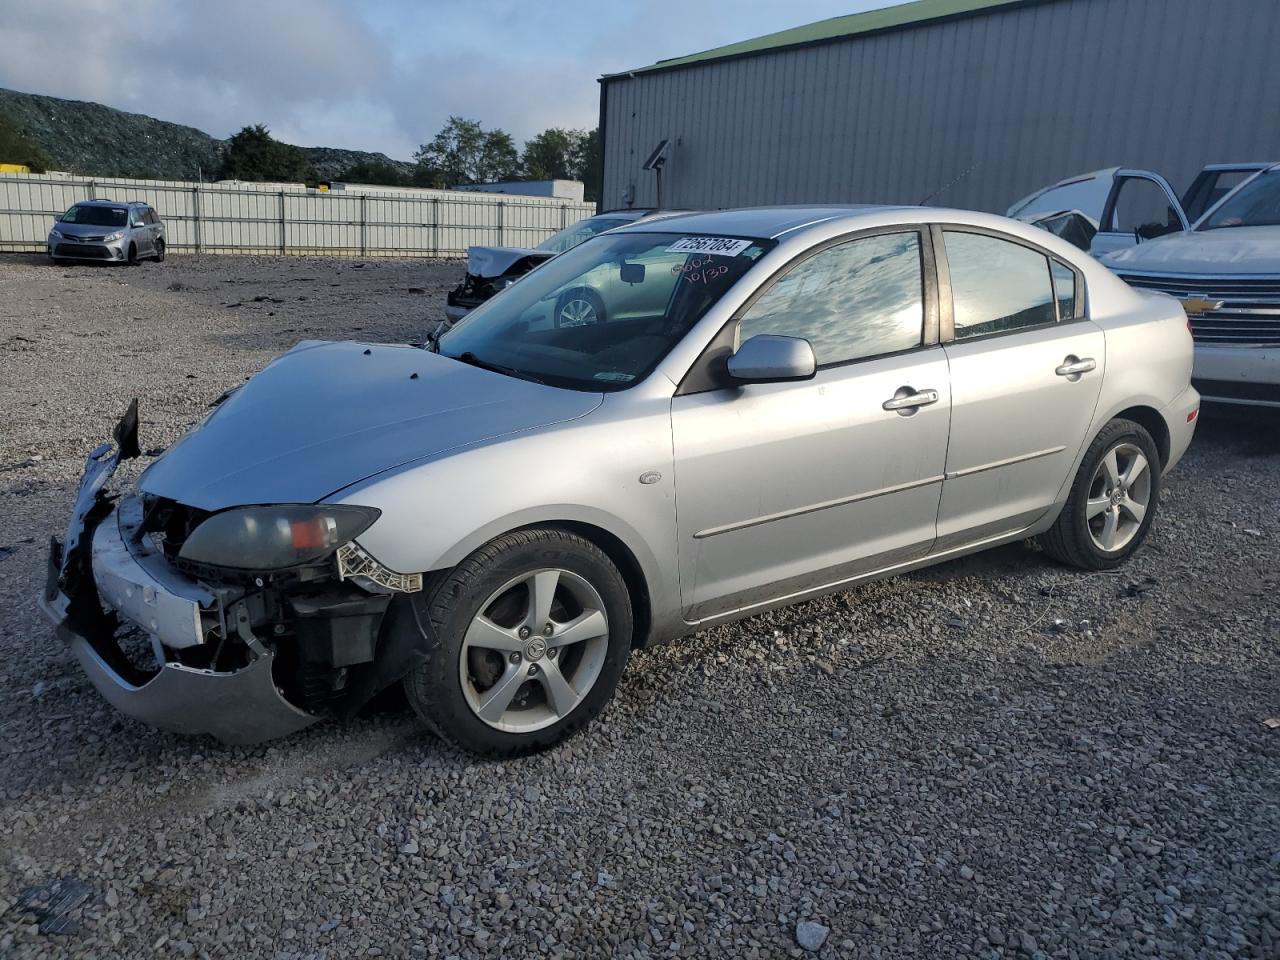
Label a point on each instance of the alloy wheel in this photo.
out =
(1119, 495)
(534, 650)
(577, 312)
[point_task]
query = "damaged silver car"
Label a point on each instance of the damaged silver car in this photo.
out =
(775, 404)
(493, 269)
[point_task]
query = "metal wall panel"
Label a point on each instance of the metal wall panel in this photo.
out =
(286, 219)
(973, 112)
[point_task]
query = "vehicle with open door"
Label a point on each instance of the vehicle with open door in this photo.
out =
(1120, 207)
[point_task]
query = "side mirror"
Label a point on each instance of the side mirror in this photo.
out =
(769, 359)
(631, 272)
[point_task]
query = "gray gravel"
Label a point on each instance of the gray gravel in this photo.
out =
(994, 758)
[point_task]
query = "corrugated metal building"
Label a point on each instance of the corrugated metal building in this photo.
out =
(968, 103)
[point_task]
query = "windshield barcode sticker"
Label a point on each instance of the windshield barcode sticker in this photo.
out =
(717, 246)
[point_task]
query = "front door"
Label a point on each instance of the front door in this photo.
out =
(1026, 370)
(1140, 207)
(786, 487)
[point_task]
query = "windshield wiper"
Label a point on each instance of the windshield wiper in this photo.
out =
(431, 342)
(471, 358)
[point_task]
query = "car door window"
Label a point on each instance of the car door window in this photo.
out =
(1142, 208)
(150, 217)
(997, 285)
(1064, 289)
(862, 298)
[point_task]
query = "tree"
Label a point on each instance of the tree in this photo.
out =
(253, 154)
(552, 155)
(464, 152)
(499, 159)
(16, 148)
(588, 164)
(376, 172)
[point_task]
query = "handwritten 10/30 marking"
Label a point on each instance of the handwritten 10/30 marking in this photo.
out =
(698, 270)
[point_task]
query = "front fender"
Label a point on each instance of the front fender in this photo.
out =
(587, 472)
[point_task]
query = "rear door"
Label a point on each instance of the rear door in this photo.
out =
(1026, 369)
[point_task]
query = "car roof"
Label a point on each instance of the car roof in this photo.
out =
(109, 203)
(770, 222)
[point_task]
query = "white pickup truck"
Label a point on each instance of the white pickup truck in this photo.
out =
(1217, 250)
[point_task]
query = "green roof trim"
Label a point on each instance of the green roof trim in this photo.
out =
(872, 21)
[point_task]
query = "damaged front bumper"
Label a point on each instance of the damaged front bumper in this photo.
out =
(215, 647)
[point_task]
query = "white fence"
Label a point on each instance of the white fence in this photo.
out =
(287, 219)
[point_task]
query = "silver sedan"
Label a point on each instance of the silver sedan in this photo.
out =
(772, 404)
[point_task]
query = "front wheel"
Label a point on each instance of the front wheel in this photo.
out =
(159, 251)
(1112, 502)
(580, 307)
(525, 641)
(133, 255)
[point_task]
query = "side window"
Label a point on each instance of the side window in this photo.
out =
(857, 299)
(151, 216)
(1064, 289)
(1142, 207)
(997, 285)
(137, 216)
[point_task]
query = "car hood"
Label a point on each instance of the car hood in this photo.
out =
(1228, 250)
(495, 261)
(84, 229)
(326, 415)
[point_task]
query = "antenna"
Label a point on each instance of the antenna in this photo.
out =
(657, 160)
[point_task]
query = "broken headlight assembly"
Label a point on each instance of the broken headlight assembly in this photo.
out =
(262, 539)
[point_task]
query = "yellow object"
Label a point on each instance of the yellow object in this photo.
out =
(14, 168)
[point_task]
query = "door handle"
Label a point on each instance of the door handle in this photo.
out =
(1074, 366)
(908, 399)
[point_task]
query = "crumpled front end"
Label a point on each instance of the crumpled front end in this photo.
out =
(241, 656)
(490, 270)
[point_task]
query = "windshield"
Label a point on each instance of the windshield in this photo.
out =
(580, 232)
(1255, 204)
(603, 315)
(97, 216)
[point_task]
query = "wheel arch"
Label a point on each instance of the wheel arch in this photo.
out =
(639, 576)
(1153, 422)
(628, 565)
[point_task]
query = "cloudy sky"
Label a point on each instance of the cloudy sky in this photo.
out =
(365, 74)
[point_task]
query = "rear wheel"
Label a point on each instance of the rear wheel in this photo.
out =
(528, 637)
(1112, 502)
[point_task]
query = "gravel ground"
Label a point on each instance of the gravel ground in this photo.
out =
(997, 757)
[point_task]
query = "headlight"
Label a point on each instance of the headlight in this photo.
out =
(274, 538)
(118, 235)
(53, 232)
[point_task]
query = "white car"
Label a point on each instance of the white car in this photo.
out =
(1218, 252)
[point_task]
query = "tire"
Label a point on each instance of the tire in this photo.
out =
(159, 257)
(579, 307)
(133, 255)
(461, 676)
(1114, 531)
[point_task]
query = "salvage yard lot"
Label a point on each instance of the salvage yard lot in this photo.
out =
(995, 757)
